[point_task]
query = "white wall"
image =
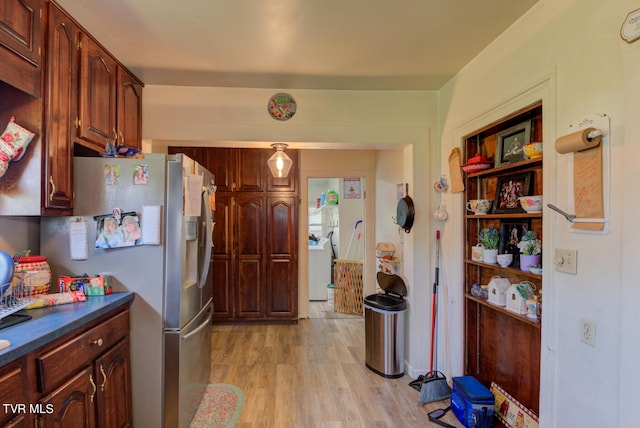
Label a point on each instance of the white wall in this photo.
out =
(569, 53)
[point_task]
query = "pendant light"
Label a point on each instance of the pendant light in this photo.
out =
(279, 163)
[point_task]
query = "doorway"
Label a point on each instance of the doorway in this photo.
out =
(335, 211)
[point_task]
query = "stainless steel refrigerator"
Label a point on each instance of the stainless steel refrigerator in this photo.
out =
(170, 200)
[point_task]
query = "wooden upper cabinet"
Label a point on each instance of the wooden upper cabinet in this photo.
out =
(195, 153)
(221, 163)
(129, 114)
(250, 170)
(60, 109)
(98, 74)
(21, 30)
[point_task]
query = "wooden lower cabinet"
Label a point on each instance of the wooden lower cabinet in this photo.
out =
(113, 374)
(72, 404)
(81, 380)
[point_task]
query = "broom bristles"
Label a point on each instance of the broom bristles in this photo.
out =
(434, 388)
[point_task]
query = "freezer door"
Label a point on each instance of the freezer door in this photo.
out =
(187, 367)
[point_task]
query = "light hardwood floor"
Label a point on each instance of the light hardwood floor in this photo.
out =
(313, 374)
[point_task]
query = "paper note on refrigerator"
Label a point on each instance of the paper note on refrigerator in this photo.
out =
(193, 195)
(150, 224)
(78, 246)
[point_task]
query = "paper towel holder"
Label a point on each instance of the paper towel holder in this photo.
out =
(602, 129)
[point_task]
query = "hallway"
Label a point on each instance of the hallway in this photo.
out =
(313, 375)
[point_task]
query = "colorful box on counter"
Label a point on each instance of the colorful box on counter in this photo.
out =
(96, 285)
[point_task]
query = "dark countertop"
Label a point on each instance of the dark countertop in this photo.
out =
(53, 322)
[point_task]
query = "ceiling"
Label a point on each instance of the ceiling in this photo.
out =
(296, 44)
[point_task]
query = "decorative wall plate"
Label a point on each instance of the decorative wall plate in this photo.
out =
(282, 106)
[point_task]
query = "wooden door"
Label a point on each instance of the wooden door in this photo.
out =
(112, 372)
(222, 267)
(282, 273)
(72, 404)
(129, 112)
(21, 27)
(250, 234)
(97, 95)
(61, 107)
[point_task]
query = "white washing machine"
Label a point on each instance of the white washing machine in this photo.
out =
(319, 269)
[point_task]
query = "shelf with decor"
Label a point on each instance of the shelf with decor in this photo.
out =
(501, 165)
(501, 309)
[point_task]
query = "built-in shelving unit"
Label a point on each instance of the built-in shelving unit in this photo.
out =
(500, 345)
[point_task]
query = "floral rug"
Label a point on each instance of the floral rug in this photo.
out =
(220, 407)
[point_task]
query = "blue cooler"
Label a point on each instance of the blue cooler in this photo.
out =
(472, 403)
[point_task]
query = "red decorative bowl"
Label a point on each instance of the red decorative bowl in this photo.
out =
(475, 167)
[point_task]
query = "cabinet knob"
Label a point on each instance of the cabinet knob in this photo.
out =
(98, 342)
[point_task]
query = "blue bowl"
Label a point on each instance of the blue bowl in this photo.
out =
(6, 268)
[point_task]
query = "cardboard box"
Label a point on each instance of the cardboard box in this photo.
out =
(96, 285)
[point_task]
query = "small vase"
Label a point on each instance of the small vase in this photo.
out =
(526, 261)
(490, 256)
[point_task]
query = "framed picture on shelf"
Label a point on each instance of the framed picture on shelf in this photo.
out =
(510, 143)
(511, 232)
(509, 189)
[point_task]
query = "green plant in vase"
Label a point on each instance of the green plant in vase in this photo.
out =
(530, 251)
(489, 237)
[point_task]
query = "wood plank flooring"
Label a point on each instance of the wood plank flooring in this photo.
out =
(313, 374)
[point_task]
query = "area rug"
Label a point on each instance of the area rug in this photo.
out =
(220, 407)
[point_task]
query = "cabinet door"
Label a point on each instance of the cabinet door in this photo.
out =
(222, 265)
(72, 404)
(249, 223)
(13, 390)
(113, 378)
(98, 76)
(250, 170)
(61, 103)
(282, 276)
(21, 27)
(129, 110)
(221, 163)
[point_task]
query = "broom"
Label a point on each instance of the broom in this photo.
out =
(434, 385)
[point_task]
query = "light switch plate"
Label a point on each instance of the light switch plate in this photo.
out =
(566, 261)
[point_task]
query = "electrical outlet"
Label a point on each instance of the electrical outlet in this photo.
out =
(566, 261)
(588, 331)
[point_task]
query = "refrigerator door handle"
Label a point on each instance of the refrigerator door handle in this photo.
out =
(208, 240)
(205, 323)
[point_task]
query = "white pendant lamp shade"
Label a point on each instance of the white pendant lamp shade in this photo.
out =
(279, 163)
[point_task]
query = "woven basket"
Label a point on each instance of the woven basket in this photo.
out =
(348, 291)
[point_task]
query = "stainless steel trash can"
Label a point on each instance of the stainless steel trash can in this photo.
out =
(384, 317)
